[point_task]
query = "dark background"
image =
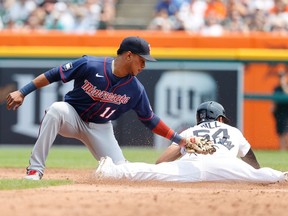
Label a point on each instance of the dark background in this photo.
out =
(128, 129)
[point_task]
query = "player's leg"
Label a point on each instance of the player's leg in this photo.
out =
(98, 138)
(176, 171)
(282, 132)
(59, 115)
(101, 141)
(234, 169)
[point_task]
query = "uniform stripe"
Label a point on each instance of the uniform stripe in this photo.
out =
(146, 119)
(62, 74)
(105, 73)
(108, 83)
(112, 92)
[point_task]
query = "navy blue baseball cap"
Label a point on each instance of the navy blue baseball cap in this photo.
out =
(137, 46)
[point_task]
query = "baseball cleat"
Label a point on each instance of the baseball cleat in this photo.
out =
(106, 168)
(33, 175)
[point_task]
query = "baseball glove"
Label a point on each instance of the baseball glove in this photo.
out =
(199, 145)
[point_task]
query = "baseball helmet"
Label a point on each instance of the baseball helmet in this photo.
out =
(210, 111)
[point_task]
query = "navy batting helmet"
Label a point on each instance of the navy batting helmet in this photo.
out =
(210, 111)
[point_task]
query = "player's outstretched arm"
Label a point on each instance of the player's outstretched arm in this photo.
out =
(16, 98)
(250, 158)
(170, 154)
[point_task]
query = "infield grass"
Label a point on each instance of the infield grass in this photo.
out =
(78, 157)
(13, 184)
(69, 156)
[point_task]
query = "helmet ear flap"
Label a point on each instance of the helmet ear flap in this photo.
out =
(201, 116)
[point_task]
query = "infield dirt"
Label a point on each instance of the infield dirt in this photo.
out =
(90, 196)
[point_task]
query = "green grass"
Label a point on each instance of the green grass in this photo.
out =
(12, 184)
(69, 156)
(78, 157)
(272, 158)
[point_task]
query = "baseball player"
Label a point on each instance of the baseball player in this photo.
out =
(104, 89)
(224, 165)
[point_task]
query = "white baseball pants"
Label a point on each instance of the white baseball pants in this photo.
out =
(195, 170)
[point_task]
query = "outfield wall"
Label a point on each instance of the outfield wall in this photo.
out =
(252, 60)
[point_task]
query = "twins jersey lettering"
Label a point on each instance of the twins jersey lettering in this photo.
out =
(103, 96)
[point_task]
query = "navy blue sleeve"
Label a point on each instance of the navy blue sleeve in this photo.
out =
(151, 122)
(143, 108)
(68, 71)
(145, 112)
(53, 75)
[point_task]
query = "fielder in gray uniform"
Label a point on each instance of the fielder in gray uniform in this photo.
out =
(234, 159)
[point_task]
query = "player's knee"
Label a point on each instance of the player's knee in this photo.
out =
(57, 109)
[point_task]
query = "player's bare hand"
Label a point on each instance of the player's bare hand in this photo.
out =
(14, 100)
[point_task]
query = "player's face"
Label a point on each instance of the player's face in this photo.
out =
(137, 64)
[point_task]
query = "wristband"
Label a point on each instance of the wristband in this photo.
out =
(176, 138)
(27, 89)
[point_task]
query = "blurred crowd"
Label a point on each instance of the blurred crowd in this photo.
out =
(65, 15)
(207, 17)
(215, 17)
